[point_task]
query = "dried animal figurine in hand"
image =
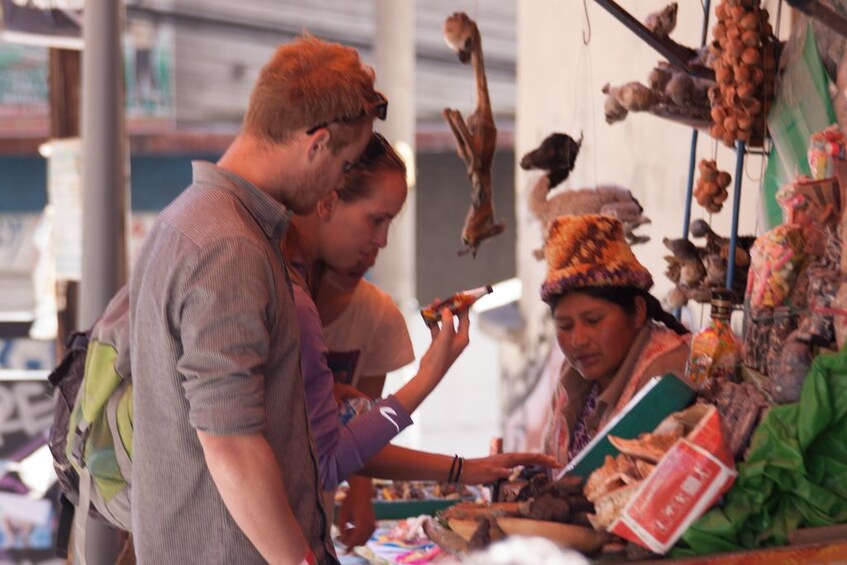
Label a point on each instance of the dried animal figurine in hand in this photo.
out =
(476, 138)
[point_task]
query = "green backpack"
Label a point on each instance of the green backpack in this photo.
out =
(91, 438)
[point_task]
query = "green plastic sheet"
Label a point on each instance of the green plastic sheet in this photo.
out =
(801, 108)
(795, 473)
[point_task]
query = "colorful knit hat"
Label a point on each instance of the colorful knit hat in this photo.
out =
(589, 251)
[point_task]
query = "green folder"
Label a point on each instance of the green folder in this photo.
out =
(658, 399)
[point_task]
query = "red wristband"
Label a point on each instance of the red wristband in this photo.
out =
(309, 559)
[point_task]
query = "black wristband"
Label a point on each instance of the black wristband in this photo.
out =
(459, 472)
(452, 469)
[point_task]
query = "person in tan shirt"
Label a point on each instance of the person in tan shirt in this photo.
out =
(345, 234)
(614, 334)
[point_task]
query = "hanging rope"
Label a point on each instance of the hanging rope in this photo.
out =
(586, 39)
(762, 161)
(585, 97)
(592, 96)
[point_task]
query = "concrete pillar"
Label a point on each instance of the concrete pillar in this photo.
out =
(395, 71)
(105, 199)
(543, 88)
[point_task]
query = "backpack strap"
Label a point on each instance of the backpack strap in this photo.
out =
(76, 342)
(124, 462)
(82, 517)
(63, 530)
(78, 447)
(121, 455)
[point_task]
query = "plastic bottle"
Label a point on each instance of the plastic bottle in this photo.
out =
(456, 303)
(715, 350)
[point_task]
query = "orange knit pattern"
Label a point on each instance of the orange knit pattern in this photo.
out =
(589, 251)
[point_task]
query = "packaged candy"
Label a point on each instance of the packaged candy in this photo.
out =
(775, 261)
(806, 201)
(824, 147)
(784, 322)
(757, 338)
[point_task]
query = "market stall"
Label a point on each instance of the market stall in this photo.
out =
(746, 463)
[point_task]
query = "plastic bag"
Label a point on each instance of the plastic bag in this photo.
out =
(794, 475)
(790, 123)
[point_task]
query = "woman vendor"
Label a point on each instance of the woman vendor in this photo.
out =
(614, 334)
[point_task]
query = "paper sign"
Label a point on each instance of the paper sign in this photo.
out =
(687, 481)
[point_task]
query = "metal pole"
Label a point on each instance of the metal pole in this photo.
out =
(692, 156)
(394, 51)
(736, 204)
(689, 190)
(105, 199)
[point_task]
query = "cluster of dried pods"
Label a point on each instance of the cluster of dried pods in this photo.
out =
(745, 64)
(710, 190)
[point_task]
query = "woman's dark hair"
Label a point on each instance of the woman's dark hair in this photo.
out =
(378, 157)
(624, 296)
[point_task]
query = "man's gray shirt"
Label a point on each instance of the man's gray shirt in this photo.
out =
(215, 347)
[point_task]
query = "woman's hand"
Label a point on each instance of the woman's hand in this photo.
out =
(342, 392)
(448, 343)
(356, 517)
(500, 466)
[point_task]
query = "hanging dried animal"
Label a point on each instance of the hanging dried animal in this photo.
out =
(670, 93)
(696, 271)
(607, 199)
(745, 53)
(663, 22)
(556, 154)
(476, 138)
(710, 189)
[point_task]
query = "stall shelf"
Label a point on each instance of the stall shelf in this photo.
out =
(672, 52)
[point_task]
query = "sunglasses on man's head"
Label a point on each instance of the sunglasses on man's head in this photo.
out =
(376, 147)
(380, 110)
